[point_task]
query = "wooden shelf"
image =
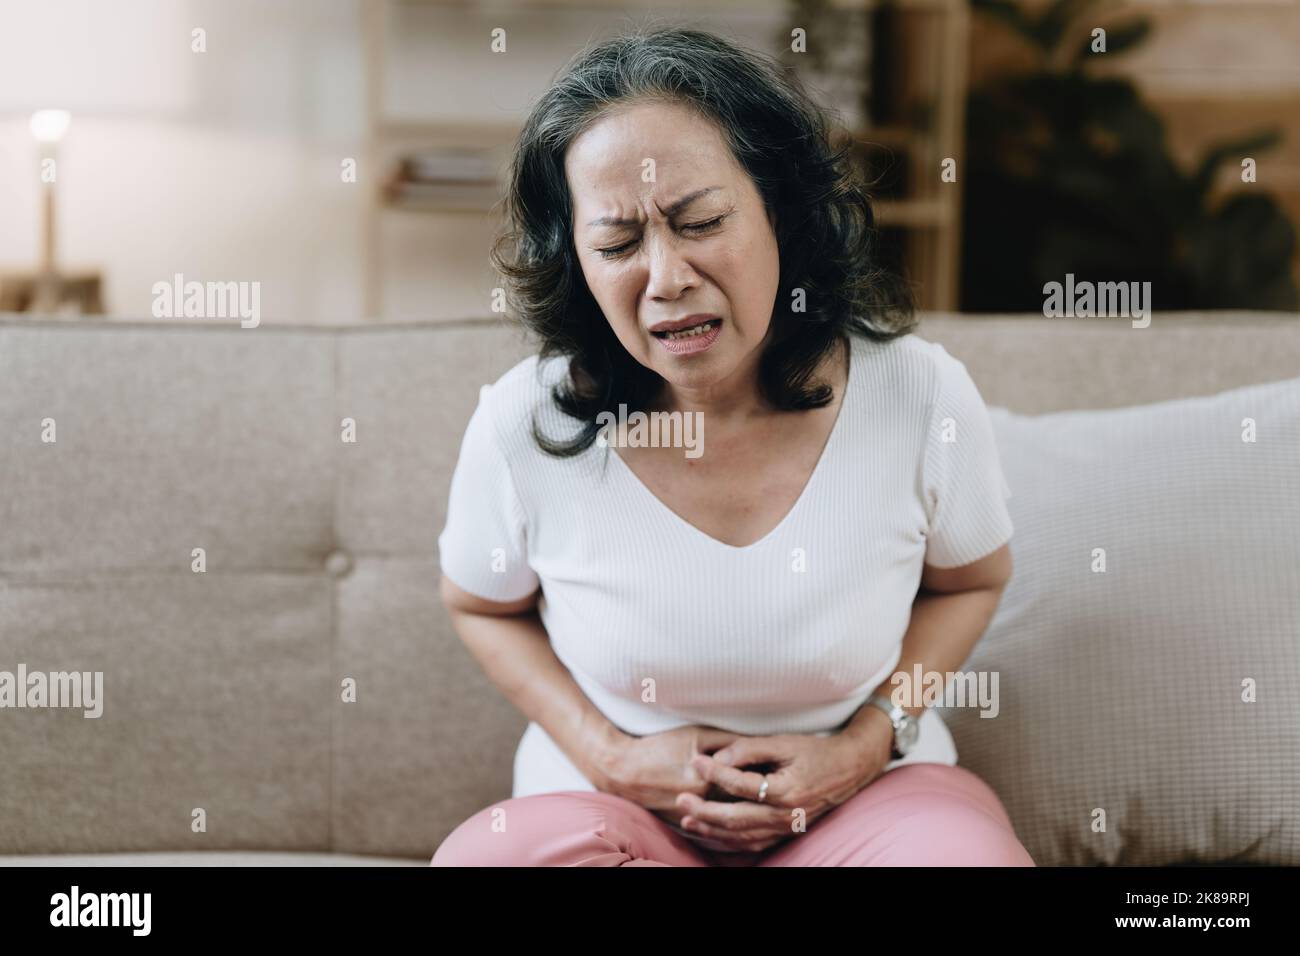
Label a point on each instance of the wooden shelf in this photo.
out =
(438, 207)
(935, 59)
(460, 132)
(913, 213)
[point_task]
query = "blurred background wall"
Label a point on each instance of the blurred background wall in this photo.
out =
(229, 163)
(220, 165)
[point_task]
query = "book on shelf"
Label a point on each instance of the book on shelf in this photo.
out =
(449, 164)
(470, 195)
(448, 177)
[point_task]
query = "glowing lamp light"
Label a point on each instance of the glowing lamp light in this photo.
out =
(48, 126)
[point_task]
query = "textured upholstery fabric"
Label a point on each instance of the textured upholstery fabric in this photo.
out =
(223, 689)
(1121, 683)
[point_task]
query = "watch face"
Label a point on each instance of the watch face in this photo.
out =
(905, 736)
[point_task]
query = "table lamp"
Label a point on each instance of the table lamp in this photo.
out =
(48, 127)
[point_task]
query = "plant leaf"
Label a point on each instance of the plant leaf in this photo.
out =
(1011, 15)
(1121, 37)
(1203, 178)
(1051, 26)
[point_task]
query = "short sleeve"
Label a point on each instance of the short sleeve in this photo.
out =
(483, 546)
(965, 489)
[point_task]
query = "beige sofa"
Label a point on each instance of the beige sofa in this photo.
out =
(223, 690)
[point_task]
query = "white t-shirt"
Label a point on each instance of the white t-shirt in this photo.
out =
(662, 625)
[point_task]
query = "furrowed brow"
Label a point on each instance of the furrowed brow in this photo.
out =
(672, 210)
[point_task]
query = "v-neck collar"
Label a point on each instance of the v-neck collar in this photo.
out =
(821, 466)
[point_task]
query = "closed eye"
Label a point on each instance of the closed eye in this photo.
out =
(694, 227)
(704, 226)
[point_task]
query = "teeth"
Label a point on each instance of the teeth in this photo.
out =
(687, 333)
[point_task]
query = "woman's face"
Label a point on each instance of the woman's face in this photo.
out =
(669, 227)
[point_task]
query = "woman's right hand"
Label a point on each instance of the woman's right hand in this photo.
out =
(653, 770)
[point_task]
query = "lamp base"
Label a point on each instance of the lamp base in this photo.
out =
(44, 294)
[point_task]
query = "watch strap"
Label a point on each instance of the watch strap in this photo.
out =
(895, 715)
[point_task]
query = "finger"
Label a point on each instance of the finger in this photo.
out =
(739, 840)
(734, 816)
(742, 783)
(716, 839)
(750, 750)
(711, 738)
(756, 847)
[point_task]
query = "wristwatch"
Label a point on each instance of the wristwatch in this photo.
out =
(906, 727)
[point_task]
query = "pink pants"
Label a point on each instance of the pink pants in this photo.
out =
(922, 814)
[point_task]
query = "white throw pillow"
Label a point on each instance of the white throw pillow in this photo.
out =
(1124, 691)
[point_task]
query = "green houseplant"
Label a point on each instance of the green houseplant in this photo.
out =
(1068, 172)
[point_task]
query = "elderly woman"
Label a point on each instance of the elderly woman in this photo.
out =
(703, 639)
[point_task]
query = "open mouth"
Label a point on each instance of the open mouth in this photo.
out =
(704, 327)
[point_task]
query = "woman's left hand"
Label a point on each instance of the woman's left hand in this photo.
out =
(807, 773)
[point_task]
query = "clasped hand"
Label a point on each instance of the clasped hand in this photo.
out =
(712, 793)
